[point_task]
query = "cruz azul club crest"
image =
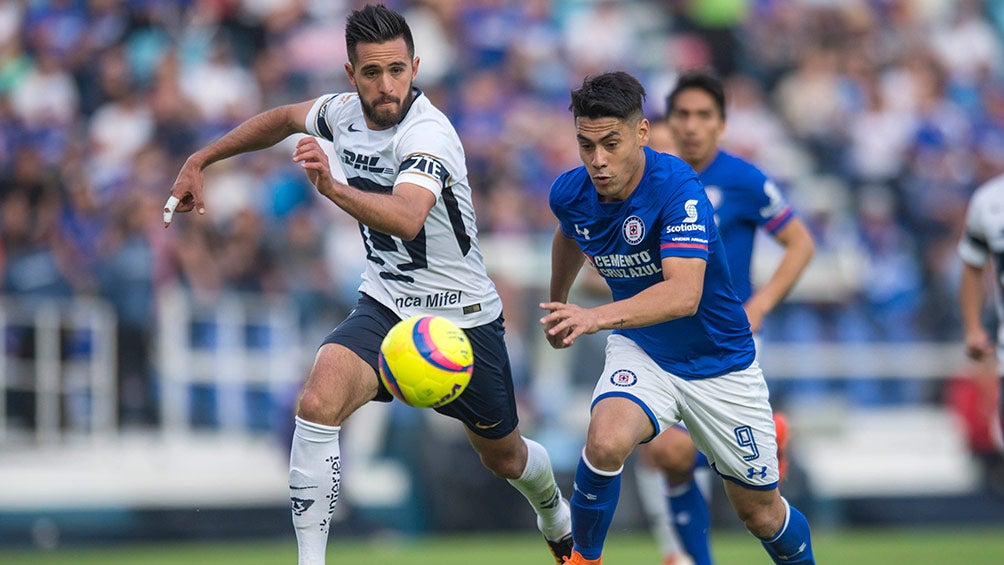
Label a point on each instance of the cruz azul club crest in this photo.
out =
(633, 230)
(623, 377)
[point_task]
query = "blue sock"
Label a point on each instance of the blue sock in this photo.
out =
(692, 520)
(701, 460)
(594, 500)
(792, 544)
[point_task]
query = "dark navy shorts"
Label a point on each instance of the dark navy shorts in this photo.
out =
(487, 406)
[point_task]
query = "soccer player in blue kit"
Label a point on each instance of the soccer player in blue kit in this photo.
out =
(681, 348)
(408, 187)
(745, 200)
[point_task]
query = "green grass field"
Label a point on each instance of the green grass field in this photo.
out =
(865, 547)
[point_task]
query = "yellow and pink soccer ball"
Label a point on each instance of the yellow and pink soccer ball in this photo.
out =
(426, 361)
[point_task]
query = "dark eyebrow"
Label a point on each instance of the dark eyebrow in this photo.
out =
(389, 65)
(600, 140)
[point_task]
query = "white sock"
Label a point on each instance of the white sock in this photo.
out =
(704, 476)
(315, 475)
(554, 518)
(655, 503)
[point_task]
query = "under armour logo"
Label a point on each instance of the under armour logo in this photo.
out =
(300, 505)
(588, 496)
(801, 548)
(584, 232)
(752, 471)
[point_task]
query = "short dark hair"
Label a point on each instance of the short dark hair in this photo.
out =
(375, 23)
(615, 94)
(702, 79)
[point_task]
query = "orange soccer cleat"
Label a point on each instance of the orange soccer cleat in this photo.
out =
(578, 559)
(781, 427)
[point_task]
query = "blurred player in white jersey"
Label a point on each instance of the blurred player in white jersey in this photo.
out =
(407, 186)
(982, 244)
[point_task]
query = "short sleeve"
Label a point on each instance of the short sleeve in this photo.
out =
(775, 212)
(973, 248)
(319, 119)
(430, 156)
(687, 221)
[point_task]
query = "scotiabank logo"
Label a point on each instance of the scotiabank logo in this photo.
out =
(690, 207)
(685, 227)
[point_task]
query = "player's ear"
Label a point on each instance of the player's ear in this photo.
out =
(643, 131)
(349, 73)
(414, 68)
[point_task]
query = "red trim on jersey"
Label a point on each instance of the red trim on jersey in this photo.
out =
(778, 219)
(684, 246)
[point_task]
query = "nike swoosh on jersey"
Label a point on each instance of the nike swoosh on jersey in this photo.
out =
(481, 426)
(353, 129)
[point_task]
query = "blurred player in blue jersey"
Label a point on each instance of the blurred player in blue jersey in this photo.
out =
(745, 200)
(407, 185)
(681, 347)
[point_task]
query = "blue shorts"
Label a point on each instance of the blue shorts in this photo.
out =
(487, 406)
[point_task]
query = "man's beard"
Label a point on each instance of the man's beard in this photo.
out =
(385, 120)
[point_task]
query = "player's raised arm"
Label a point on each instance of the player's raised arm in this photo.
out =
(258, 132)
(402, 212)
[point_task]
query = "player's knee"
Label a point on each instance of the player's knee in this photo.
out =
(504, 464)
(607, 452)
(309, 406)
(762, 520)
(315, 407)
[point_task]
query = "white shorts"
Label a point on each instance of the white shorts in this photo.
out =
(728, 417)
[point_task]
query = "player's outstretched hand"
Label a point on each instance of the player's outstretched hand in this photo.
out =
(186, 193)
(566, 322)
(314, 162)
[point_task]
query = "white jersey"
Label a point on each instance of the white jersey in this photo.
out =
(984, 239)
(442, 270)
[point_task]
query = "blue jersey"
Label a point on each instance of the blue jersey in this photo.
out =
(667, 215)
(744, 199)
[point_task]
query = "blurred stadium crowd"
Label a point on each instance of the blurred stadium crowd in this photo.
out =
(878, 117)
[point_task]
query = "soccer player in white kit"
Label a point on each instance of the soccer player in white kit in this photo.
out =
(407, 186)
(982, 244)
